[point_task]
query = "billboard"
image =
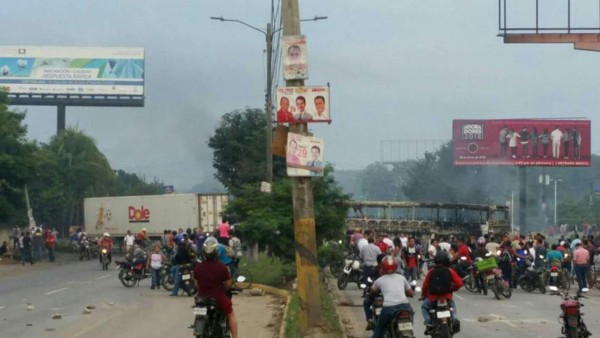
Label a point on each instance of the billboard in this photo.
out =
(304, 155)
(295, 64)
(303, 104)
(522, 142)
(36, 70)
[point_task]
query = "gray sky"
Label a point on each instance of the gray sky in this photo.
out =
(398, 70)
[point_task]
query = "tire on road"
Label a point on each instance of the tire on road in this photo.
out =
(126, 278)
(342, 281)
(168, 281)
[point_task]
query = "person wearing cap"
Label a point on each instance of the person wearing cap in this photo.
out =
(143, 237)
(106, 243)
(581, 260)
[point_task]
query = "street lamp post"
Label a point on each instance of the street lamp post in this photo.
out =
(268, 95)
(556, 180)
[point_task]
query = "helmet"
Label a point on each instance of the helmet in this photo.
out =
(106, 234)
(210, 248)
(389, 264)
(144, 229)
(441, 258)
(481, 241)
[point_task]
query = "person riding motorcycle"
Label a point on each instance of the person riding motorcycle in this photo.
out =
(458, 264)
(480, 253)
(106, 243)
(440, 283)
(83, 241)
(212, 280)
(394, 288)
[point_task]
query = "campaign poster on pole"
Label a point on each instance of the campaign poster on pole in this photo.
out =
(295, 64)
(303, 104)
(304, 156)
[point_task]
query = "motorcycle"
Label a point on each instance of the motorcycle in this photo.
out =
(186, 283)
(208, 320)
(492, 276)
(532, 278)
(555, 276)
(470, 276)
(402, 324)
(104, 261)
(571, 316)
(442, 325)
(85, 250)
(131, 273)
(351, 272)
(167, 280)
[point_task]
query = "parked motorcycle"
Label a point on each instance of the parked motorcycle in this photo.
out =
(167, 280)
(351, 272)
(532, 278)
(208, 320)
(104, 261)
(131, 273)
(571, 316)
(556, 276)
(186, 284)
(402, 324)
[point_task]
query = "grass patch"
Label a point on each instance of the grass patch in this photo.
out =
(292, 324)
(330, 323)
(269, 270)
(331, 319)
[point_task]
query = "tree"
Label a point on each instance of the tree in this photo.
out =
(16, 163)
(267, 219)
(239, 149)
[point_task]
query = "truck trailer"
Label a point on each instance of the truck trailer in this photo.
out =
(156, 213)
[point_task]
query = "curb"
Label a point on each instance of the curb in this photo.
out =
(277, 292)
(285, 314)
(334, 291)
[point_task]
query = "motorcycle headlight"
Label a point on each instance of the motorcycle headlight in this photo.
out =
(104, 251)
(355, 265)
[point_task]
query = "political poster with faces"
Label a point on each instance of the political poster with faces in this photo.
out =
(303, 104)
(304, 155)
(295, 64)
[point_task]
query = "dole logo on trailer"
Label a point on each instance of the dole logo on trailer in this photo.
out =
(141, 215)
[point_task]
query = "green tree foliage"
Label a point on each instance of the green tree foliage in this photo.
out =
(16, 162)
(238, 145)
(267, 219)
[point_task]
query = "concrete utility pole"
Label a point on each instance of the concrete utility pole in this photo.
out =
(269, 103)
(304, 214)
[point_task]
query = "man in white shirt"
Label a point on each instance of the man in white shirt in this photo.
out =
(556, 135)
(129, 239)
(492, 247)
(404, 240)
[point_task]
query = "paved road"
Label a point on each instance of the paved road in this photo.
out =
(29, 296)
(523, 315)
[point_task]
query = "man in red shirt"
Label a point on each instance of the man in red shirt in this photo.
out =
(212, 280)
(381, 244)
(440, 283)
(106, 243)
(410, 256)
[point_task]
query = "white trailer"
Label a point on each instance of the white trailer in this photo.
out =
(156, 213)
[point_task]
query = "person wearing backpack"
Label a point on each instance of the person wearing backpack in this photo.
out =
(440, 283)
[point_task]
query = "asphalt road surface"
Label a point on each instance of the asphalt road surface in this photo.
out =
(523, 315)
(30, 296)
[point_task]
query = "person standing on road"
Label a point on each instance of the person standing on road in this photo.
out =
(37, 241)
(181, 257)
(15, 237)
(129, 240)
(213, 280)
(224, 232)
(155, 264)
(581, 260)
(368, 255)
(50, 245)
(25, 242)
(556, 135)
(410, 256)
(236, 245)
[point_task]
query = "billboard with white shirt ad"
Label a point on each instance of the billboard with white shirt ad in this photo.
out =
(35, 70)
(522, 142)
(303, 104)
(304, 155)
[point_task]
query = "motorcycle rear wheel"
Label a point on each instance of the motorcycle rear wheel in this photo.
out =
(168, 281)
(506, 292)
(526, 284)
(444, 331)
(566, 281)
(572, 332)
(342, 281)
(471, 284)
(496, 289)
(127, 279)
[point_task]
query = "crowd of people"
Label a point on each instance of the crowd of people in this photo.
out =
(402, 259)
(31, 244)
